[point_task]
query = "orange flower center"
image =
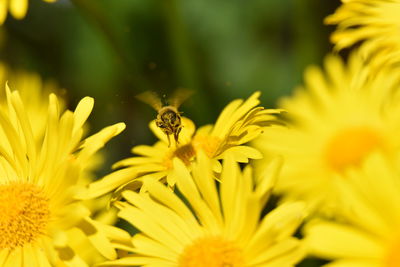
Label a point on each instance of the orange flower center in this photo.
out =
(209, 144)
(393, 257)
(211, 252)
(185, 153)
(24, 214)
(351, 146)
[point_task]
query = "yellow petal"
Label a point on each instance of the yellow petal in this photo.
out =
(267, 178)
(230, 182)
(3, 10)
(354, 263)
(132, 261)
(190, 191)
(203, 176)
(93, 143)
(242, 153)
(164, 195)
(149, 227)
(18, 8)
(276, 226)
(82, 112)
(97, 238)
(14, 258)
(108, 183)
(330, 240)
(146, 246)
(24, 123)
(3, 256)
(284, 253)
(176, 225)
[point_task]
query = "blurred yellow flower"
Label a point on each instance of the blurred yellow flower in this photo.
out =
(215, 225)
(34, 92)
(376, 23)
(368, 234)
(17, 8)
(240, 122)
(39, 183)
(340, 117)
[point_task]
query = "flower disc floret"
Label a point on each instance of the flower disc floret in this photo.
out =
(25, 213)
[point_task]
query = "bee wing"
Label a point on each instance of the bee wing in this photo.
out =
(150, 98)
(179, 96)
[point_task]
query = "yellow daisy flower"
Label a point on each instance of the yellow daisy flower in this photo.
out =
(34, 92)
(369, 235)
(215, 225)
(17, 8)
(374, 22)
(240, 122)
(39, 183)
(340, 117)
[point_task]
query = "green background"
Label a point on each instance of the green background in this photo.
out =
(114, 49)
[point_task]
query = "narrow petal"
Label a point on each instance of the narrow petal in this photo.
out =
(82, 112)
(108, 183)
(330, 240)
(97, 238)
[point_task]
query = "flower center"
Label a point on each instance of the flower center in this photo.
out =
(209, 144)
(351, 146)
(393, 257)
(211, 252)
(24, 214)
(184, 153)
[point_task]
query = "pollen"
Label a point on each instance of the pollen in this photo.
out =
(212, 252)
(24, 214)
(186, 153)
(351, 146)
(209, 144)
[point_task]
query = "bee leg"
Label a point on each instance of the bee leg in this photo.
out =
(176, 136)
(176, 140)
(169, 140)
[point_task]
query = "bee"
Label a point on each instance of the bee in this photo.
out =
(168, 118)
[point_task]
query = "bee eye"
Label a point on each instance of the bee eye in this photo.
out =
(160, 124)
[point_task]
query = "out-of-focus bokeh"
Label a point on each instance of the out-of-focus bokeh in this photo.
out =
(114, 49)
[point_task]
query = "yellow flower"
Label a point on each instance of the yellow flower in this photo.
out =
(376, 23)
(240, 122)
(339, 118)
(17, 8)
(34, 93)
(215, 225)
(39, 183)
(369, 234)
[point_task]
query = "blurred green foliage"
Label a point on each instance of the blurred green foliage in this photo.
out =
(115, 49)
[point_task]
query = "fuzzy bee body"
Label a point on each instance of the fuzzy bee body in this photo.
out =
(168, 117)
(169, 121)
